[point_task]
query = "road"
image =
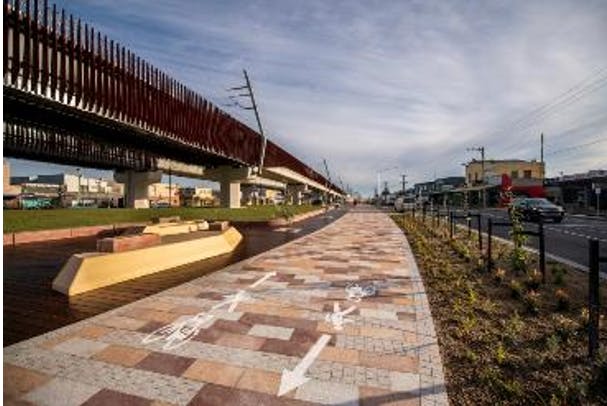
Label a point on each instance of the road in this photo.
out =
(567, 240)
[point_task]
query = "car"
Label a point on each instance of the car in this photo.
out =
(160, 205)
(532, 209)
(405, 203)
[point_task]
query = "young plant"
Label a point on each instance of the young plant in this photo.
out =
(513, 327)
(516, 289)
(534, 279)
(563, 301)
(558, 274)
(499, 275)
(532, 302)
(518, 257)
(500, 354)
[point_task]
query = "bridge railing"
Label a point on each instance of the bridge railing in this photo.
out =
(57, 56)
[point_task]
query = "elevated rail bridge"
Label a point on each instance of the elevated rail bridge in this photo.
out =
(73, 96)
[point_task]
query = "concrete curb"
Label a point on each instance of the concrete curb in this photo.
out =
(26, 237)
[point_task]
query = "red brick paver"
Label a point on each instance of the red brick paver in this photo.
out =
(228, 338)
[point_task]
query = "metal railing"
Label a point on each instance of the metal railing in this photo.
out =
(55, 56)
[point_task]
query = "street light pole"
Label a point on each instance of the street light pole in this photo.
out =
(379, 180)
(482, 151)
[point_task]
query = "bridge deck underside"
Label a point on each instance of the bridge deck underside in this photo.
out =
(42, 129)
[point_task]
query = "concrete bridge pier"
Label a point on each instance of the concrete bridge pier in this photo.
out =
(296, 192)
(229, 179)
(136, 185)
(229, 193)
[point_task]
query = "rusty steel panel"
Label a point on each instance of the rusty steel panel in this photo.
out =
(16, 59)
(5, 20)
(27, 35)
(62, 59)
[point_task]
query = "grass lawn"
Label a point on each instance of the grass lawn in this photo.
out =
(29, 220)
(504, 337)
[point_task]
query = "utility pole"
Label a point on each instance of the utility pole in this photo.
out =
(328, 180)
(404, 184)
(482, 151)
(542, 156)
(251, 96)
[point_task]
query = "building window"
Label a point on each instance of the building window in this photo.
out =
(514, 174)
(527, 174)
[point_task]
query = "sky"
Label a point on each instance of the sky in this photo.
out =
(397, 87)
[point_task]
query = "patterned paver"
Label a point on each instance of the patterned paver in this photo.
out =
(343, 308)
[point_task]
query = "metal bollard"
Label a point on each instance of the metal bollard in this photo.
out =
(480, 235)
(489, 235)
(593, 298)
(542, 247)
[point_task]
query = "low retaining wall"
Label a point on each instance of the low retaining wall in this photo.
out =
(26, 237)
(281, 222)
(93, 270)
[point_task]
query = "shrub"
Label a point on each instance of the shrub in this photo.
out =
(500, 354)
(564, 327)
(552, 344)
(499, 275)
(513, 327)
(516, 289)
(532, 302)
(534, 279)
(563, 301)
(558, 274)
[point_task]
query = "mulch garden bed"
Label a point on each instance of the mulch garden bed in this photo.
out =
(505, 338)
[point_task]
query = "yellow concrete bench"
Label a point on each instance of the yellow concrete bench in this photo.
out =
(92, 270)
(176, 228)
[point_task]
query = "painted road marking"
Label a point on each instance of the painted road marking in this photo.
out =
(337, 317)
(293, 379)
(182, 331)
(356, 292)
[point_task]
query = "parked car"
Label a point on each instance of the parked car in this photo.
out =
(160, 205)
(532, 209)
(405, 203)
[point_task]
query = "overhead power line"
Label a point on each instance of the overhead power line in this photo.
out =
(582, 89)
(576, 147)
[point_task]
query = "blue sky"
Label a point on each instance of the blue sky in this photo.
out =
(375, 84)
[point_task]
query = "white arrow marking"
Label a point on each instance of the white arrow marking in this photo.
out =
(241, 295)
(262, 279)
(337, 317)
(293, 379)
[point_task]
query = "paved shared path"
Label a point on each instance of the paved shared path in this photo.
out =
(336, 317)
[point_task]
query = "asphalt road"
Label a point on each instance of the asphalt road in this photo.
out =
(567, 240)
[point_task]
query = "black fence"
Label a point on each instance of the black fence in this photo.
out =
(539, 234)
(594, 259)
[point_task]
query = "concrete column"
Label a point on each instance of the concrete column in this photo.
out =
(230, 194)
(136, 187)
(248, 196)
(295, 193)
(229, 183)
